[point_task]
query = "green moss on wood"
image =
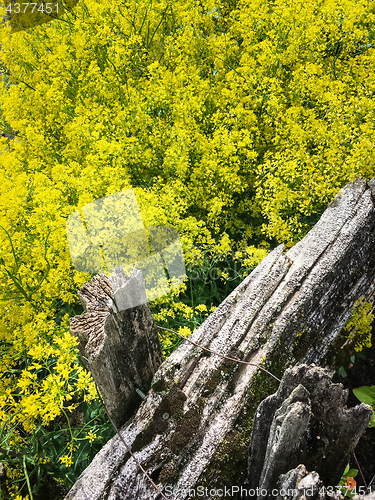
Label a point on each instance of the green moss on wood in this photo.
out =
(144, 438)
(172, 406)
(225, 372)
(302, 344)
(160, 386)
(186, 429)
(229, 464)
(167, 473)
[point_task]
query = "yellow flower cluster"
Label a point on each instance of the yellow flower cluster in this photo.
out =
(42, 460)
(359, 324)
(67, 460)
(91, 436)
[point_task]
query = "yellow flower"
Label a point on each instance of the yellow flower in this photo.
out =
(201, 308)
(90, 436)
(184, 331)
(67, 460)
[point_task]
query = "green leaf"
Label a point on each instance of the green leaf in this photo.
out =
(81, 454)
(85, 408)
(366, 394)
(361, 354)
(342, 372)
(352, 473)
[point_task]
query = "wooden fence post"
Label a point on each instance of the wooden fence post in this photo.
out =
(118, 342)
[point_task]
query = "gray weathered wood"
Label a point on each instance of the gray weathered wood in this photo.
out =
(288, 311)
(305, 422)
(299, 484)
(118, 343)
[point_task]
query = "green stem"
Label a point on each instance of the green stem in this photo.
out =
(27, 478)
(12, 247)
(17, 285)
(67, 418)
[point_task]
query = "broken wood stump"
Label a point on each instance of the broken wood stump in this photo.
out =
(299, 484)
(305, 422)
(118, 341)
(193, 429)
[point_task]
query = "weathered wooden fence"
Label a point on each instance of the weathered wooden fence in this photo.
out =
(193, 428)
